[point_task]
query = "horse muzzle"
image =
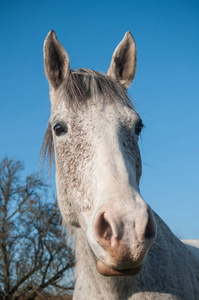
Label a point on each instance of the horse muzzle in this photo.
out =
(124, 238)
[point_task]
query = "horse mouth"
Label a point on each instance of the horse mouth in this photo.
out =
(107, 271)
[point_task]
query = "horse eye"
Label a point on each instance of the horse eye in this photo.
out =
(59, 129)
(138, 128)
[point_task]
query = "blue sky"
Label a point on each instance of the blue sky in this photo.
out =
(165, 88)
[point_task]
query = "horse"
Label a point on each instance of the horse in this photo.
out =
(124, 250)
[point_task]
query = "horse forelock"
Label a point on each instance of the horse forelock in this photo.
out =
(82, 86)
(85, 84)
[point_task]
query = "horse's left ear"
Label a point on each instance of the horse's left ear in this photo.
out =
(123, 63)
(56, 61)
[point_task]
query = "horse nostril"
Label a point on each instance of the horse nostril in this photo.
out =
(103, 228)
(107, 229)
(150, 231)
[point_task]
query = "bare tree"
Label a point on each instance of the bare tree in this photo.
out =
(34, 255)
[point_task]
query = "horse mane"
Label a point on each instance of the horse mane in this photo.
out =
(82, 86)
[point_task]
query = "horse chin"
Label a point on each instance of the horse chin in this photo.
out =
(107, 271)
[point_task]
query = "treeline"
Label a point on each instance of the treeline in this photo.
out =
(36, 260)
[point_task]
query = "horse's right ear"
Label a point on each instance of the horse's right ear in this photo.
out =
(56, 60)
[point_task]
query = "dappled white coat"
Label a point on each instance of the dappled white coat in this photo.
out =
(124, 250)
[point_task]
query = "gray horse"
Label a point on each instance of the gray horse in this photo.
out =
(124, 250)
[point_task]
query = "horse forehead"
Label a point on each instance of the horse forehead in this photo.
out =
(99, 108)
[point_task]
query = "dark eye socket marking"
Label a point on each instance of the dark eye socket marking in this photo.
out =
(138, 128)
(59, 129)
